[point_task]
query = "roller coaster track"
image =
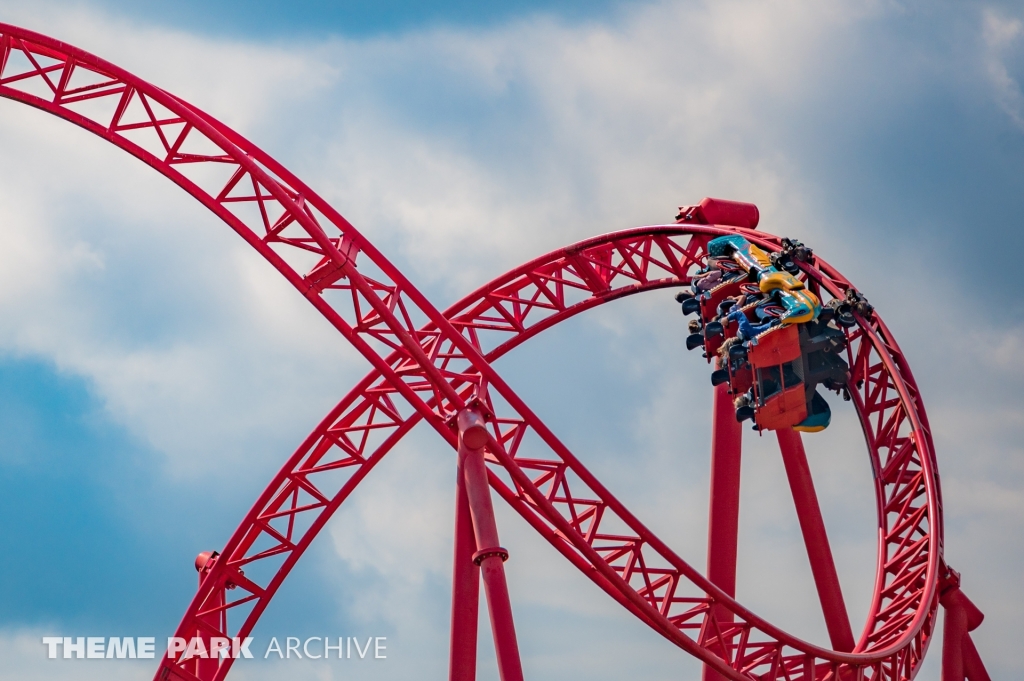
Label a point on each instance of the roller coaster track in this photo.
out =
(437, 367)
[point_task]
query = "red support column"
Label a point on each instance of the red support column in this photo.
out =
(960, 659)
(823, 567)
(465, 590)
(954, 629)
(974, 668)
(490, 556)
(724, 514)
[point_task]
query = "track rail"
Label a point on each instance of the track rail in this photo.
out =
(428, 365)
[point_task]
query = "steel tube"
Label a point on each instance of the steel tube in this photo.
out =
(954, 630)
(724, 512)
(489, 556)
(823, 567)
(974, 668)
(465, 591)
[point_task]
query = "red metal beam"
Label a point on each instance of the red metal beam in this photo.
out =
(465, 590)
(724, 512)
(960, 659)
(491, 556)
(823, 567)
(954, 629)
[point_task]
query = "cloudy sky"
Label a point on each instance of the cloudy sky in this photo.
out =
(154, 372)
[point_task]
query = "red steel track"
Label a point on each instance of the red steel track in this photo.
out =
(435, 366)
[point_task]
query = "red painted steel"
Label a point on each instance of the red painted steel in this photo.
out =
(214, 620)
(428, 365)
(721, 212)
(960, 659)
(465, 590)
(490, 556)
(724, 511)
(812, 526)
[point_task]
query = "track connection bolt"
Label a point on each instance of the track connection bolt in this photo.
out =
(482, 554)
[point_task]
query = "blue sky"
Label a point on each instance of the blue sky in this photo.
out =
(275, 20)
(154, 373)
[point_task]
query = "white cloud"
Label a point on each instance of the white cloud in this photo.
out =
(111, 273)
(1001, 33)
(25, 657)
